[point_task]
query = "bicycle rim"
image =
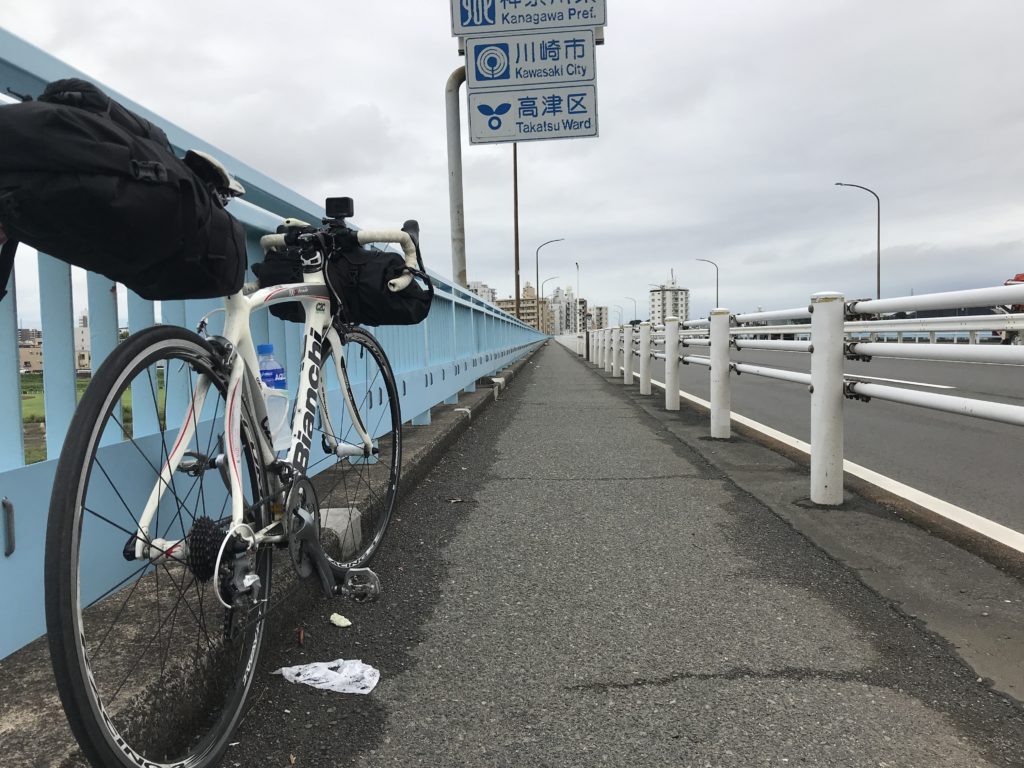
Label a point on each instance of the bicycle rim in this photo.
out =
(151, 668)
(357, 493)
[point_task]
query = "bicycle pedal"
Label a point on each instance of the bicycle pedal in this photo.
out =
(361, 584)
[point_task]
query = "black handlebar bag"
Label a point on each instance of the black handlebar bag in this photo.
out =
(91, 183)
(359, 277)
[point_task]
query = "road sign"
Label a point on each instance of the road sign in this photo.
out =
(532, 114)
(482, 17)
(527, 60)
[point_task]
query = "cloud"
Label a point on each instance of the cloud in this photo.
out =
(723, 129)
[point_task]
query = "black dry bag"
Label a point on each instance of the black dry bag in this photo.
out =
(93, 184)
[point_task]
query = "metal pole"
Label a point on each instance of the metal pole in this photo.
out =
(878, 236)
(515, 208)
(721, 402)
(671, 363)
(536, 285)
(827, 398)
(709, 261)
(627, 354)
(576, 307)
(546, 281)
(645, 358)
(455, 200)
(634, 305)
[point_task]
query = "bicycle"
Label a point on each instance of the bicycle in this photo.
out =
(171, 501)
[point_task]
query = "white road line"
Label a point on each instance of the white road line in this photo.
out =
(981, 525)
(897, 381)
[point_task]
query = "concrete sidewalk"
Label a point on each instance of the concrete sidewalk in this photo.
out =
(580, 579)
(576, 585)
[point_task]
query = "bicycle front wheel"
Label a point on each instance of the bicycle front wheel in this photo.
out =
(358, 489)
(151, 667)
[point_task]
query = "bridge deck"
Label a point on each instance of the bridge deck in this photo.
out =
(578, 582)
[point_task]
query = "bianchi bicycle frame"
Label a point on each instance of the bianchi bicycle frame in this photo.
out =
(241, 357)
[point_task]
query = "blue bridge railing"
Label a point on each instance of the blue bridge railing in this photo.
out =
(463, 339)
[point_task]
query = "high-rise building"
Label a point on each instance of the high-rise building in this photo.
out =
(528, 306)
(669, 300)
(562, 302)
(484, 291)
(600, 317)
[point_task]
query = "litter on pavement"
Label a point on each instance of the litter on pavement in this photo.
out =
(340, 676)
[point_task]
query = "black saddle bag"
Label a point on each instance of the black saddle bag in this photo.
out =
(359, 279)
(93, 184)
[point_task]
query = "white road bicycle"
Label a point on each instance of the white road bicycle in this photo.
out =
(170, 502)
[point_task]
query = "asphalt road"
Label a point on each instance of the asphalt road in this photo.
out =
(975, 464)
(575, 586)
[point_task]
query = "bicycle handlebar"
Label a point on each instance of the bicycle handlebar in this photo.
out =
(365, 237)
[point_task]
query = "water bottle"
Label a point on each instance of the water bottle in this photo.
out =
(275, 395)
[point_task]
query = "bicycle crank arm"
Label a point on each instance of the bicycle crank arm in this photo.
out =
(309, 540)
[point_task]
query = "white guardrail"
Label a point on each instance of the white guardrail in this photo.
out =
(831, 330)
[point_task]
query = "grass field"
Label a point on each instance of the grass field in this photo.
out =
(32, 395)
(33, 412)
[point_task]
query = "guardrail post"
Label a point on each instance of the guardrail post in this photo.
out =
(721, 403)
(609, 349)
(672, 364)
(828, 315)
(645, 358)
(627, 354)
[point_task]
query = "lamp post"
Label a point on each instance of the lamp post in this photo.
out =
(546, 281)
(709, 261)
(536, 285)
(576, 308)
(634, 305)
(878, 236)
(616, 306)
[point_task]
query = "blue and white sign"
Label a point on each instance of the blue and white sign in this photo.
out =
(545, 58)
(482, 17)
(532, 114)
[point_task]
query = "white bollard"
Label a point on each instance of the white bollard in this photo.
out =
(617, 337)
(721, 401)
(645, 358)
(672, 364)
(627, 354)
(609, 357)
(828, 314)
(602, 348)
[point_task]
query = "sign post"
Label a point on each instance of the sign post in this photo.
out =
(531, 71)
(531, 75)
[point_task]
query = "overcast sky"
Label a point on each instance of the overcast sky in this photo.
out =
(723, 127)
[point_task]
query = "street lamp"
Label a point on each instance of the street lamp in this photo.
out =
(575, 309)
(537, 262)
(878, 236)
(616, 306)
(709, 261)
(634, 305)
(546, 281)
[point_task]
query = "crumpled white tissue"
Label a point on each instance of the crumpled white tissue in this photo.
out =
(340, 676)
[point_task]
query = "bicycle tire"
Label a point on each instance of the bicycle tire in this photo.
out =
(357, 496)
(183, 713)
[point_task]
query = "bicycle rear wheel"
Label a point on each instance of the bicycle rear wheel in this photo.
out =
(357, 494)
(151, 668)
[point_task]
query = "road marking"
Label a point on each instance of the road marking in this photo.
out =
(898, 381)
(1008, 537)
